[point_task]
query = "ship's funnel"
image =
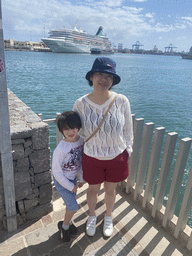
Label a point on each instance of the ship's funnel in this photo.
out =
(100, 31)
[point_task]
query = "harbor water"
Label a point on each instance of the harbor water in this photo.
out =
(159, 89)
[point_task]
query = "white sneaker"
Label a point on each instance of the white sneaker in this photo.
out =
(108, 226)
(91, 225)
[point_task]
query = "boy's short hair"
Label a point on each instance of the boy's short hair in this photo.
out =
(68, 119)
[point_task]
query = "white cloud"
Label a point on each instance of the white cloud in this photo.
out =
(149, 15)
(112, 3)
(187, 18)
(139, 1)
(26, 16)
(180, 26)
(163, 28)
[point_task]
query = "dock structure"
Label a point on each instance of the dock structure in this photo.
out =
(147, 166)
(143, 225)
(170, 48)
(135, 232)
(136, 46)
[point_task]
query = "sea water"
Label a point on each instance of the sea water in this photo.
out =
(159, 89)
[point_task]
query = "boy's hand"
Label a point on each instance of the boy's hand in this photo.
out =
(81, 184)
(74, 189)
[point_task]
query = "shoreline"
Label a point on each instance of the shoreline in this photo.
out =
(28, 50)
(48, 50)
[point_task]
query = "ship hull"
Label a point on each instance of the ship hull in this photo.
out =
(61, 46)
(100, 51)
(186, 56)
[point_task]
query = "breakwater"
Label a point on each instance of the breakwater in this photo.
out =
(31, 164)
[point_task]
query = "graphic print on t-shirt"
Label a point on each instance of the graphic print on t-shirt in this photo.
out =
(73, 159)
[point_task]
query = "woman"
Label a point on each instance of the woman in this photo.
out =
(106, 154)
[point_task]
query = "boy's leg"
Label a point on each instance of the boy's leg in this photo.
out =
(71, 208)
(67, 219)
(68, 216)
(66, 228)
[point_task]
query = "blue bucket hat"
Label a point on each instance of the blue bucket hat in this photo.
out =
(104, 65)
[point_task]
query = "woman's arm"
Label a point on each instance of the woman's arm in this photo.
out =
(128, 127)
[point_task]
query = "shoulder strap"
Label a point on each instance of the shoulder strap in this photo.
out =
(102, 120)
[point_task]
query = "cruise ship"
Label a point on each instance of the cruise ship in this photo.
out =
(78, 41)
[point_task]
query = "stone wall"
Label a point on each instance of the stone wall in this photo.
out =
(31, 164)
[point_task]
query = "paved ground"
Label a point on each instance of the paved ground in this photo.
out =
(135, 233)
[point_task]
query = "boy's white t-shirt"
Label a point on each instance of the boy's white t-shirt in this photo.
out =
(67, 162)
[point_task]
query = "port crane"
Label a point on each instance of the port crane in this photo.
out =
(136, 46)
(169, 48)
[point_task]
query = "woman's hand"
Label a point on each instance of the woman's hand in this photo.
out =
(80, 184)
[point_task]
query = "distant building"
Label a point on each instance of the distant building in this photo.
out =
(155, 51)
(125, 50)
(120, 47)
(11, 44)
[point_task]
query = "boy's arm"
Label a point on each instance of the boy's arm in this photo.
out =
(74, 189)
(81, 175)
(57, 170)
(81, 180)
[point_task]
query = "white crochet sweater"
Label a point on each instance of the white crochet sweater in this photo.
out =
(115, 134)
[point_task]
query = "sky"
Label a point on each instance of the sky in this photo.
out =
(153, 23)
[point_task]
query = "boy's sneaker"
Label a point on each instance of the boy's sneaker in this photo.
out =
(108, 226)
(73, 230)
(65, 234)
(91, 225)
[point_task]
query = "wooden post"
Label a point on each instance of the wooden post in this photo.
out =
(153, 164)
(182, 156)
(134, 159)
(58, 134)
(164, 173)
(5, 142)
(185, 207)
(143, 160)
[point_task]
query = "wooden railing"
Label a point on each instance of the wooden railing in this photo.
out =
(144, 170)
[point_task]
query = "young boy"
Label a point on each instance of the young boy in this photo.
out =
(66, 164)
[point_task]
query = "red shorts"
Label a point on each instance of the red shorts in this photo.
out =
(97, 171)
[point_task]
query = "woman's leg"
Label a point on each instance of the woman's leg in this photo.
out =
(92, 195)
(110, 195)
